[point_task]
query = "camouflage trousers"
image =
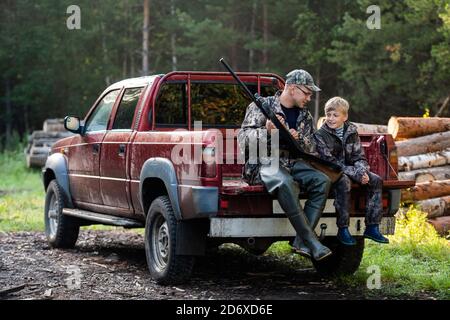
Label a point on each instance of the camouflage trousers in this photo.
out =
(341, 190)
(287, 182)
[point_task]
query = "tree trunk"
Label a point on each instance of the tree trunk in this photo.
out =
(409, 127)
(430, 143)
(145, 37)
(265, 58)
(436, 207)
(251, 52)
(441, 224)
(361, 127)
(427, 160)
(317, 100)
(173, 38)
(105, 53)
(424, 175)
(8, 118)
(443, 107)
(26, 119)
(426, 190)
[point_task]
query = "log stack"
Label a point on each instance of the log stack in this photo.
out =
(423, 148)
(40, 142)
(362, 128)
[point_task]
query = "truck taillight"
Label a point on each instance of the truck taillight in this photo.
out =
(208, 169)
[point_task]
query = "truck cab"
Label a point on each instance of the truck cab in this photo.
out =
(160, 152)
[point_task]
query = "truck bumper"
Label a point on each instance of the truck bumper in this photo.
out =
(280, 227)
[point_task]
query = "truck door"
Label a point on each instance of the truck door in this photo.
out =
(84, 153)
(114, 175)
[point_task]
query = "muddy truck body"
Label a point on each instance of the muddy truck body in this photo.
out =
(134, 162)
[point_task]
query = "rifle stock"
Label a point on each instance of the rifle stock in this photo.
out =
(332, 170)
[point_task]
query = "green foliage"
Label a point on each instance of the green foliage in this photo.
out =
(50, 71)
(416, 260)
(21, 194)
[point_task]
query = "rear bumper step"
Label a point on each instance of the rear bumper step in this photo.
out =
(280, 227)
(103, 218)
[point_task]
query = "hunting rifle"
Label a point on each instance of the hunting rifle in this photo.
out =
(332, 170)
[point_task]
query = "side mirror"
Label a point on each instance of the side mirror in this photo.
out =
(73, 124)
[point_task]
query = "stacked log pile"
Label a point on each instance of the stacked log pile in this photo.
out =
(41, 141)
(362, 128)
(423, 148)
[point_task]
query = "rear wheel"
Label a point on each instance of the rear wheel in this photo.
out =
(345, 260)
(61, 230)
(165, 266)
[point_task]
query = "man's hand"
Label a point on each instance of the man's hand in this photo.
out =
(365, 178)
(294, 133)
(270, 125)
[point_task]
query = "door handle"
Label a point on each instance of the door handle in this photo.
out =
(96, 147)
(122, 149)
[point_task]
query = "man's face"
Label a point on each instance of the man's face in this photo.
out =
(335, 119)
(301, 95)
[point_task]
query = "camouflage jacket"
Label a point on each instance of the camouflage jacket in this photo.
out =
(253, 130)
(348, 153)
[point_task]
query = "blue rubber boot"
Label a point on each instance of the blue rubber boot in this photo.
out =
(372, 232)
(345, 237)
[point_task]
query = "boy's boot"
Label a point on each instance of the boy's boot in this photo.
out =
(345, 237)
(373, 232)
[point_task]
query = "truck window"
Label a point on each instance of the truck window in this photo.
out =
(98, 121)
(171, 105)
(125, 112)
(222, 104)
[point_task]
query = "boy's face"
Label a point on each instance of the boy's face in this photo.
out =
(335, 119)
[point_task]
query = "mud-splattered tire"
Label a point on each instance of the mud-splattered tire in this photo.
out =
(61, 230)
(165, 266)
(345, 260)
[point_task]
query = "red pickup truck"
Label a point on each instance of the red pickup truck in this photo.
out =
(123, 168)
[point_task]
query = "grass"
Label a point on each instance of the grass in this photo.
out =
(21, 195)
(416, 261)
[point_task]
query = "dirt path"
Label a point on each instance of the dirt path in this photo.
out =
(111, 265)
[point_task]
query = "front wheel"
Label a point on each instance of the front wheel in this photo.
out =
(345, 260)
(61, 230)
(165, 266)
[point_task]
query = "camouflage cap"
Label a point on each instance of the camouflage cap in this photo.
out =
(301, 77)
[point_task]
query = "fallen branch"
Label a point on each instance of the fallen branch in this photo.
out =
(12, 289)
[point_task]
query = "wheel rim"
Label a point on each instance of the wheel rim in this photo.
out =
(160, 243)
(52, 216)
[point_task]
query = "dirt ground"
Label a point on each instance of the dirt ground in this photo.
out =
(112, 265)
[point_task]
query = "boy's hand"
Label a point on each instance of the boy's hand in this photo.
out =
(365, 178)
